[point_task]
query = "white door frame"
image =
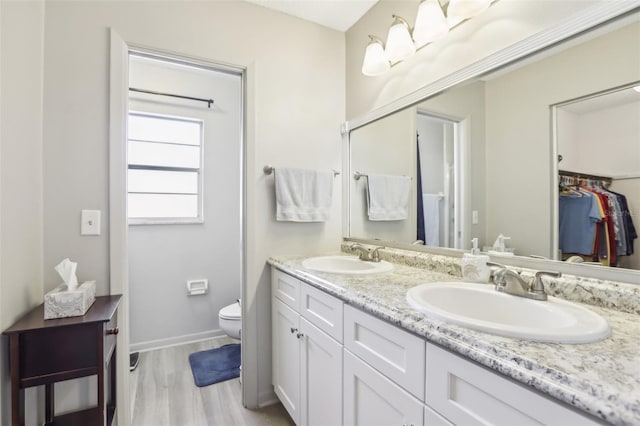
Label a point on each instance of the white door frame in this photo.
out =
(118, 263)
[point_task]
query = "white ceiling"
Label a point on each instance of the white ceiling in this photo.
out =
(609, 100)
(337, 14)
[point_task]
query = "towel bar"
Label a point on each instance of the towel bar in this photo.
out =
(358, 175)
(269, 169)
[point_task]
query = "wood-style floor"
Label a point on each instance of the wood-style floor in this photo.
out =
(163, 393)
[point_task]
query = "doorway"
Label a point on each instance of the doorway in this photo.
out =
(184, 196)
(439, 164)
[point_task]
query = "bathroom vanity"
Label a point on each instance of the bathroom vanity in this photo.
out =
(348, 349)
(43, 352)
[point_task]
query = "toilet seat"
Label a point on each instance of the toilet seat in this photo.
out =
(231, 312)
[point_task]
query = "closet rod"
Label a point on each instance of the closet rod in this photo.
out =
(151, 92)
(583, 176)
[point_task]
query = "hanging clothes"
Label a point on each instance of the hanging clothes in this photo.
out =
(591, 215)
(579, 213)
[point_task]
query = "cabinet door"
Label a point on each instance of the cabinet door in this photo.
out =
(371, 399)
(320, 377)
(286, 357)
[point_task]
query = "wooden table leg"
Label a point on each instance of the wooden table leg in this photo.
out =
(49, 398)
(114, 367)
(16, 406)
(102, 409)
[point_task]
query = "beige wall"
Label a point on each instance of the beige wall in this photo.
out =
(505, 23)
(295, 105)
(20, 173)
(387, 146)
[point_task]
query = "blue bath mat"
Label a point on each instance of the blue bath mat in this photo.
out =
(215, 365)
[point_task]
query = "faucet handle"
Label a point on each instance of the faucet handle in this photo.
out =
(375, 254)
(538, 286)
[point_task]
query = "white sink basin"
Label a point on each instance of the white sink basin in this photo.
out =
(480, 307)
(345, 265)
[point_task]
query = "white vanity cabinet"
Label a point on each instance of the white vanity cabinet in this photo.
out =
(307, 351)
(334, 364)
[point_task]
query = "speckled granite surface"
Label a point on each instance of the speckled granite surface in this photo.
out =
(602, 379)
(619, 296)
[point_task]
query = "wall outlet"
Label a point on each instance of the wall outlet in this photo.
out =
(90, 222)
(474, 217)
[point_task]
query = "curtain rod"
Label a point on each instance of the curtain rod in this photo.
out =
(583, 175)
(151, 92)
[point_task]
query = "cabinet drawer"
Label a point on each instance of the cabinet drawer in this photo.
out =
(372, 399)
(396, 353)
(466, 393)
(322, 310)
(286, 288)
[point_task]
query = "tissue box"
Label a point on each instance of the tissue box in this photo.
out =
(62, 303)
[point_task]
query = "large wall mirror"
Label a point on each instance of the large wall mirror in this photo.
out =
(482, 156)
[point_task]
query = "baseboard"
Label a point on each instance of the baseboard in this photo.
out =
(267, 398)
(174, 341)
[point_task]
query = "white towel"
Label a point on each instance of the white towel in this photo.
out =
(431, 210)
(303, 195)
(388, 197)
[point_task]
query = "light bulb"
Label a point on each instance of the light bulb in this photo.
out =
(431, 23)
(375, 61)
(399, 42)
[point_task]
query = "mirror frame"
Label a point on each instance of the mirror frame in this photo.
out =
(574, 26)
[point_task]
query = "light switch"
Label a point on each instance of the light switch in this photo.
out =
(474, 217)
(90, 222)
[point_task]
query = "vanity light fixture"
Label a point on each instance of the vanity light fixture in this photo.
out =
(399, 43)
(431, 24)
(375, 60)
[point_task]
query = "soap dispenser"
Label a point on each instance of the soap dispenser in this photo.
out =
(474, 265)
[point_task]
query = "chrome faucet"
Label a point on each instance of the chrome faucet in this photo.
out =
(366, 254)
(511, 282)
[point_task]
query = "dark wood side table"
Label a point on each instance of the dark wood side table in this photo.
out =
(43, 352)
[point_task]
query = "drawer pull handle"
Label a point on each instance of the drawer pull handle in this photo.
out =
(293, 330)
(113, 331)
(299, 335)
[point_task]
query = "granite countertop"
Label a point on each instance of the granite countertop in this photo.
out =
(602, 378)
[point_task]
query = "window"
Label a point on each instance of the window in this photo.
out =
(165, 169)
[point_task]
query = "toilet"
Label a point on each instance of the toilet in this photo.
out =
(231, 320)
